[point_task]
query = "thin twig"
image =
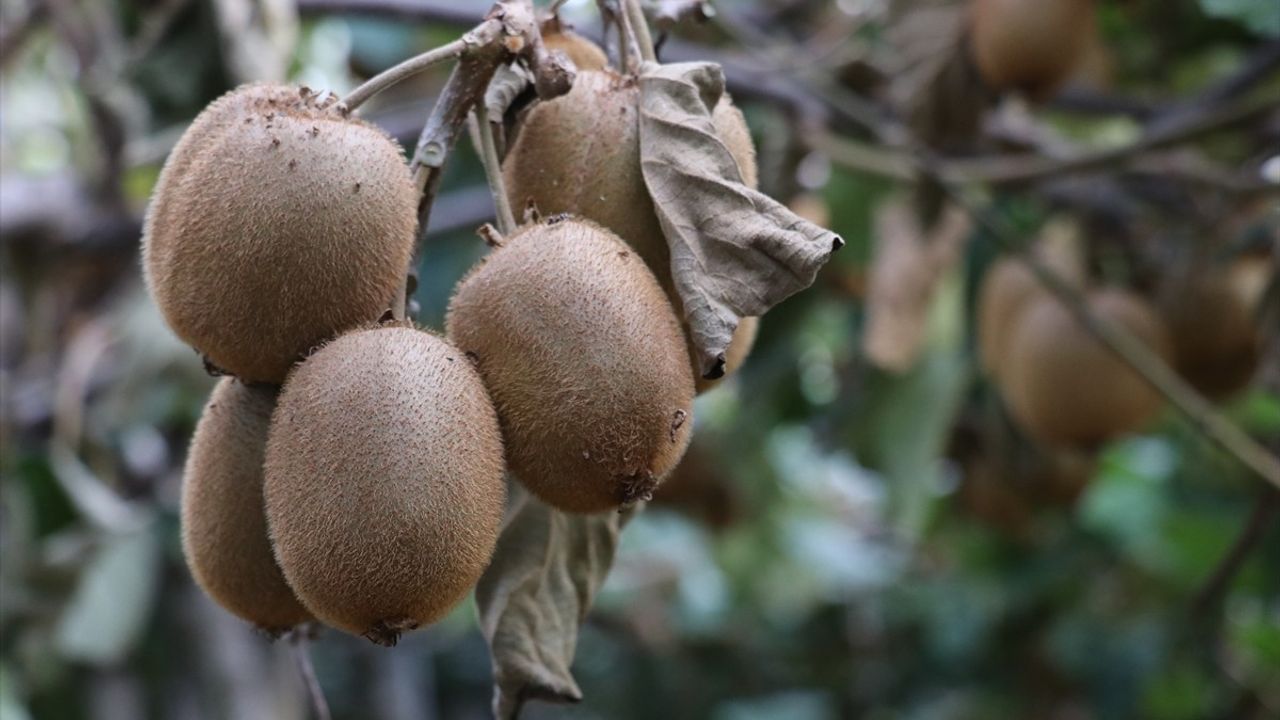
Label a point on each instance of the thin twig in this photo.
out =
(403, 71)
(1022, 169)
(510, 30)
(1255, 528)
(453, 12)
(300, 643)
(492, 168)
(640, 27)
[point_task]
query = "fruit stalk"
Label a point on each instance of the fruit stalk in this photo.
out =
(509, 30)
(407, 69)
(492, 168)
(300, 643)
(639, 26)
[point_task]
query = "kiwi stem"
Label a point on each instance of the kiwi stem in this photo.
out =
(300, 642)
(628, 48)
(640, 27)
(404, 71)
(492, 168)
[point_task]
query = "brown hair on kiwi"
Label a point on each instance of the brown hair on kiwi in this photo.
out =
(1030, 46)
(224, 526)
(585, 362)
(585, 54)
(1217, 345)
(580, 154)
(384, 480)
(1064, 387)
(1009, 287)
(277, 222)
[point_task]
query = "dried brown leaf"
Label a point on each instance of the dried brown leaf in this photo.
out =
(535, 594)
(905, 271)
(735, 252)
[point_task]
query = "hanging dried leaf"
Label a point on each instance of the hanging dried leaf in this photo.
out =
(544, 576)
(735, 252)
(906, 269)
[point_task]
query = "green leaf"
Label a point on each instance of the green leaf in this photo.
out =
(1260, 16)
(113, 600)
(11, 706)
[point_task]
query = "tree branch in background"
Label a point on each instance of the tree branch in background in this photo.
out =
(1022, 169)
(1260, 520)
(454, 12)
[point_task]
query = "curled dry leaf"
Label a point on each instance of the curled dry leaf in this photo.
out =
(908, 264)
(544, 576)
(735, 252)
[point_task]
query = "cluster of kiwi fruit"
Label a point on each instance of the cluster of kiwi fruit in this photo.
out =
(350, 468)
(1059, 382)
(1064, 388)
(580, 154)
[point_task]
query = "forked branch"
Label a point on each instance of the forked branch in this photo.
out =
(509, 32)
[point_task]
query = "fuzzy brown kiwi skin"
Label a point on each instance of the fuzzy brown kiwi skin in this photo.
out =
(384, 481)
(585, 362)
(585, 54)
(1029, 46)
(580, 154)
(1216, 345)
(224, 526)
(1068, 390)
(268, 177)
(1007, 289)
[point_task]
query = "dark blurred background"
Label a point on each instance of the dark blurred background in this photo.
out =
(844, 539)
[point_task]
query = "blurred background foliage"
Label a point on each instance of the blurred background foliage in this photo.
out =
(842, 541)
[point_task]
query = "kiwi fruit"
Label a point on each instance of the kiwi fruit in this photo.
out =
(384, 480)
(1007, 289)
(224, 527)
(269, 178)
(585, 54)
(701, 488)
(1216, 342)
(1008, 491)
(1064, 387)
(580, 154)
(1009, 286)
(584, 359)
(1031, 46)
